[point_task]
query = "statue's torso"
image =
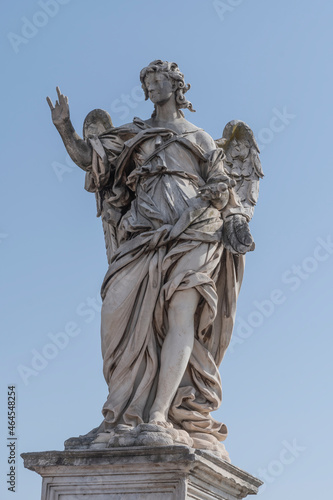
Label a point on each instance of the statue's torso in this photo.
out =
(166, 183)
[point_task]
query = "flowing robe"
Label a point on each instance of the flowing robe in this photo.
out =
(165, 238)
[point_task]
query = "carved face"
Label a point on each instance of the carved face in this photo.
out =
(159, 87)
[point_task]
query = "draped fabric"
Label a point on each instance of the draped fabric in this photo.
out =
(165, 239)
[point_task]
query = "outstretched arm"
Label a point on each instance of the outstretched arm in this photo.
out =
(79, 150)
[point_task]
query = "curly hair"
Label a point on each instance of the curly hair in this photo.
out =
(171, 70)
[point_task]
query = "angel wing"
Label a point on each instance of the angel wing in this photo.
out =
(242, 162)
(96, 123)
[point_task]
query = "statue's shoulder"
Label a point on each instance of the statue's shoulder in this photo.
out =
(124, 132)
(199, 134)
(203, 139)
(131, 128)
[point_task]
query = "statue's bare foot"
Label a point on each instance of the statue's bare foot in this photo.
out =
(158, 418)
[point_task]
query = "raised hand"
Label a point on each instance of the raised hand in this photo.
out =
(59, 112)
(78, 149)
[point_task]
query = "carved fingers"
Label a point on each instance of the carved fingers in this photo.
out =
(50, 103)
(59, 111)
(217, 193)
(63, 100)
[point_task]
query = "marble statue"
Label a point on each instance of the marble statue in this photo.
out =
(175, 207)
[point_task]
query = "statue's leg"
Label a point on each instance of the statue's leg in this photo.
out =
(178, 343)
(176, 352)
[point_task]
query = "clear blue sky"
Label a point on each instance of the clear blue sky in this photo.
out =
(268, 63)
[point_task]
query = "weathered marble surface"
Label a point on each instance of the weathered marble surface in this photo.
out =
(151, 435)
(158, 473)
(175, 207)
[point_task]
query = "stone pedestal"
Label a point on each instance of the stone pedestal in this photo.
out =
(139, 473)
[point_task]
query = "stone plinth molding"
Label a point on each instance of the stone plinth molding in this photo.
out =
(145, 473)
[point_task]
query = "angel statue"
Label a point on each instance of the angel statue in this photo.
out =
(175, 207)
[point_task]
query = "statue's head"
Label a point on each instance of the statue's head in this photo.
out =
(171, 72)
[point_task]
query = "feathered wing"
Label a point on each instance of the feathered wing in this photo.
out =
(96, 123)
(242, 162)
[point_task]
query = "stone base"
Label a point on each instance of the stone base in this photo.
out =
(133, 473)
(149, 435)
